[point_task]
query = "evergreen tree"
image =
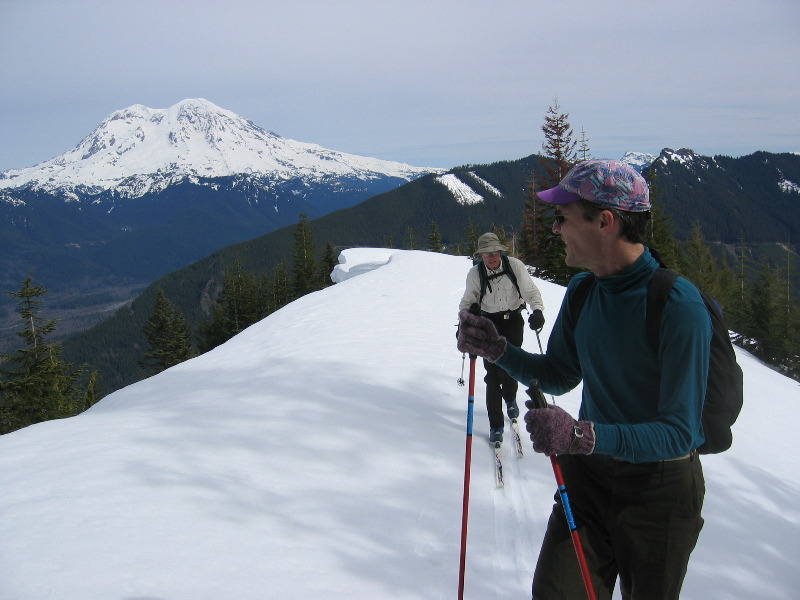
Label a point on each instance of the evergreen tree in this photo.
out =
(472, 236)
(558, 145)
(583, 147)
(168, 337)
(698, 265)
(242, 301)
(541, 249)
(327, 265)
(303, 260)
(280, 292)
(411, 239)
(767, 333)
(35, 383)
(660, 231)
(738, 313)
(434, 239)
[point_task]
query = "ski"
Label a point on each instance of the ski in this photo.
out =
(498, 465)
(517, 440)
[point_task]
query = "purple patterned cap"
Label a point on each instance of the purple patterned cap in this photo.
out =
(609, 182)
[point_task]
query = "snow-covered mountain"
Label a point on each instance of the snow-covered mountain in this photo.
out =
(638, 160)
(320, 454)
(141, 150)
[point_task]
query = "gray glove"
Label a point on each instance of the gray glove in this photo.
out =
(554, 431)
(478, 335)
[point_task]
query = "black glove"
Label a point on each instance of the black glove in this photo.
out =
(536, 320)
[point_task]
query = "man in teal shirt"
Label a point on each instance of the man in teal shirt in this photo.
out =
(636, 485)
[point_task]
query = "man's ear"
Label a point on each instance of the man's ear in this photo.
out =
(607, 220)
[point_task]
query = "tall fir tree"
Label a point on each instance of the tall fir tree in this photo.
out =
(558, 146)
(327, 265)
(280, 289)
(541, 249)
(303, 259)
(35, 383)
(660, 229)
(241, 302)
(767, 333)
(435, 238)
(411, 239)
(584, 152)
(168, 337)
(472, 236)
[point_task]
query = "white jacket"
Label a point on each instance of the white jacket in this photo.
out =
(503, 295)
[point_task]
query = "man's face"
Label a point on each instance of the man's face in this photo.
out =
(491, 259)
(577, 233)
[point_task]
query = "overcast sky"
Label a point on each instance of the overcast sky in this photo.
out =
(428, 82)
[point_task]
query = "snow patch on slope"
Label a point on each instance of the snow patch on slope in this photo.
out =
(460, 190)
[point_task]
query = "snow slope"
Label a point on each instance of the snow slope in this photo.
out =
(320, 453)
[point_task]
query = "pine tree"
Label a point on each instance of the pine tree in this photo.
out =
(280, 293)
(541, 249)
(767, 330)
(35, 383)
(411, 239)
(327, 265)
(434, 238)
(583, 147)
(168, 337)
(698, 265)
(241, 302)
(558, 145)
(660, 231)
(303, 259)
(472, 236)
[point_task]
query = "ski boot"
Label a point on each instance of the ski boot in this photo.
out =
(496, 435)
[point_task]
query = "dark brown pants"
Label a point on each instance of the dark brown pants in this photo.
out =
(638, 522)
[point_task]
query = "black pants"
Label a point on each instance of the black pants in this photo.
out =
(499, 384)
(638, 522)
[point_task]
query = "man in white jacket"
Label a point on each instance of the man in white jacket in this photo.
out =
(501, 285)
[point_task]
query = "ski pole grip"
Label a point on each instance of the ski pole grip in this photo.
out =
(536, 394)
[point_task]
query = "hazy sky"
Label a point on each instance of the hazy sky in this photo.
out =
(431, 82)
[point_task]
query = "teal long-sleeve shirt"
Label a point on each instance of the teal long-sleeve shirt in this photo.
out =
(645, 406)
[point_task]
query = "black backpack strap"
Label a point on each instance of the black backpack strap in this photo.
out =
(484, 279)
(657, 294)
(510, 273)
(579, 295)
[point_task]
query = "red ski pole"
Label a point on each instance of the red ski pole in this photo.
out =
(475, 309)
(539, 402)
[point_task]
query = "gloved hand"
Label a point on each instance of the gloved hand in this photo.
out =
(478, 335)
(553, 431)
(536, 320)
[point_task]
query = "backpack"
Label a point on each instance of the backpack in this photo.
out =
(724, 391)
(486, 278)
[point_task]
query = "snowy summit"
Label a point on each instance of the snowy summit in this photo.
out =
(194, 138)
(320, 454)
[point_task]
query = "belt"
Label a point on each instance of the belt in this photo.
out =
(684, 457)
(503, 314)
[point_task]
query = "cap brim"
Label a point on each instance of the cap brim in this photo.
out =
(557, 195)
